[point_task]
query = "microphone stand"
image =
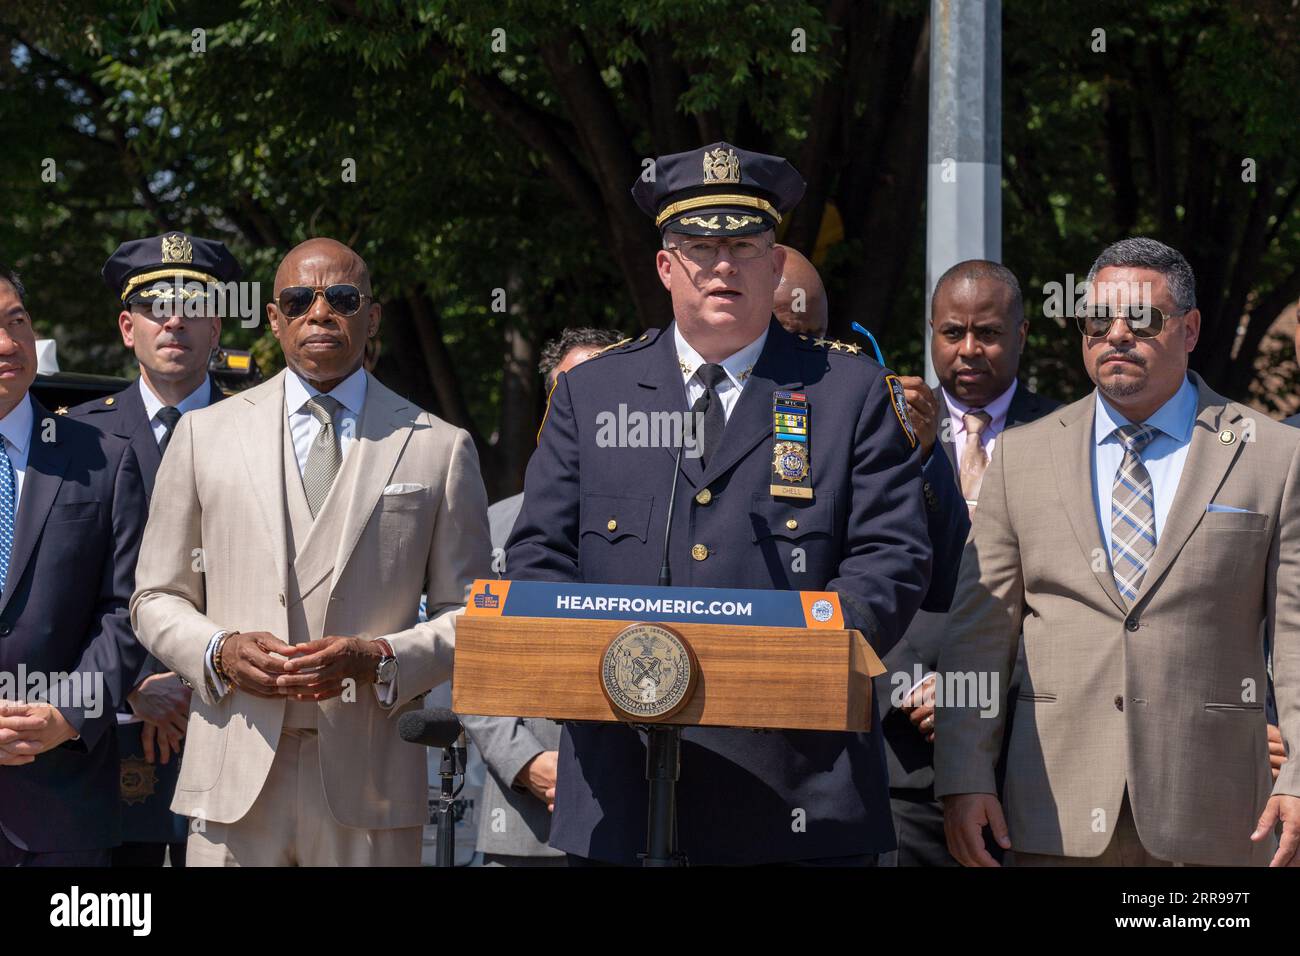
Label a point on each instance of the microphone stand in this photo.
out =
(663, 747)
(452, 766)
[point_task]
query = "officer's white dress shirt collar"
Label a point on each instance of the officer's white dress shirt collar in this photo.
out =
(153, 404)
(350, 393)
(738, 365)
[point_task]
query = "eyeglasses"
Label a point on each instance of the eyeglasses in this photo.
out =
(1145, 322)
(296, 300)
(705, 252)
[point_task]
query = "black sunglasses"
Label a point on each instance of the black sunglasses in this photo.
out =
(1145, 322)
(296, 300)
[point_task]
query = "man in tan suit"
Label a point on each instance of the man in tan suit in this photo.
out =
(293, 530)
(1143, 537)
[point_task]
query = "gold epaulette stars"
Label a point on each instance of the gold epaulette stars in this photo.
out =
(61, 410)
(838, 346)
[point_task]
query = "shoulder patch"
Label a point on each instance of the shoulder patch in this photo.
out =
(899, 401)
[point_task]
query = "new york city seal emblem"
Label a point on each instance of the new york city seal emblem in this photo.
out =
(648, 672)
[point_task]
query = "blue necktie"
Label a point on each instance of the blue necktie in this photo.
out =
(7, 510)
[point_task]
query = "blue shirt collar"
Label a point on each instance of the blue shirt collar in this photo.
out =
(17, 425)
(1174, 418)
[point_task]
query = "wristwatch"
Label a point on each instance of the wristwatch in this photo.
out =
(386, 672)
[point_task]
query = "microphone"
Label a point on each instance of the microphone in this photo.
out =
(666, 572)
(431, 727)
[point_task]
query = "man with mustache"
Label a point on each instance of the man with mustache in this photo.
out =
(1140, 539)
(808, 478)
(71, 514)
(169, 319)
(293, 531)
(979, 327)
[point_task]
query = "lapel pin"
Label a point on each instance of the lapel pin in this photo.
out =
(1227, 436)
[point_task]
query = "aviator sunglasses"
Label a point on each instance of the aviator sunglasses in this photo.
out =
(296, 300)
(1145, 322)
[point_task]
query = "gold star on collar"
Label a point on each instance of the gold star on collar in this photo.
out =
(852, 347)
(61, 410)
(688, 369)
(838, 346)
(822, 341)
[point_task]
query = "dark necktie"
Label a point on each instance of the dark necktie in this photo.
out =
(710, 405)
(169, 416)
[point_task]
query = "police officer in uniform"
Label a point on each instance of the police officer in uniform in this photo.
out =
(169, 319)
(809, 478)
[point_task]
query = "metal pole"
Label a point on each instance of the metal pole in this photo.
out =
(964, 188)
(663, 765)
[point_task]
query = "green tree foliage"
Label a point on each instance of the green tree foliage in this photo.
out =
(494, 147)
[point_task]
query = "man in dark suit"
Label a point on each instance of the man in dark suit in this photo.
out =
(979, 331)
(808, 477)
(72, 512)
(169, 319)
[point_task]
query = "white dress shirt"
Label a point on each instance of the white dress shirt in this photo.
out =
(153, 405)
(997, 411)
(738, 365)
(1164, 456)
(16, 428)
(303, 426)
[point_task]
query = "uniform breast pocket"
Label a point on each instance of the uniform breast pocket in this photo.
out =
(615, 518)
(795, 539)
(790, 518)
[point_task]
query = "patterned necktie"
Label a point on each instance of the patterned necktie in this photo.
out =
(973, 457)
(7, 510)
(715, 416)
(325, 457)
(1132, 513)
(169, 415)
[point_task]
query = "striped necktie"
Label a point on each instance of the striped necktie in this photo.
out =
(1132, 513)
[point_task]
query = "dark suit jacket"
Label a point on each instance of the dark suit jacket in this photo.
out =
(147, 817)
(64, 609)
(862, 535)
(911, 758)
(124, 415)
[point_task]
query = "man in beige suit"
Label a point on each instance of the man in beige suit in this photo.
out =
(1143, 537)
(293, 530)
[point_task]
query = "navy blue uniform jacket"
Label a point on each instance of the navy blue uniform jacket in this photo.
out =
(64, 609)
(743, 796)
(146, 815)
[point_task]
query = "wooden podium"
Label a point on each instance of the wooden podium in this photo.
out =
(779, 660)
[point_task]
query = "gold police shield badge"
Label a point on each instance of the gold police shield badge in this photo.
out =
(648, 673)
(139, 780)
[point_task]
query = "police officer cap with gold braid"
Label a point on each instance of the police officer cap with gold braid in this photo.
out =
(720, 190)
(145, 270)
